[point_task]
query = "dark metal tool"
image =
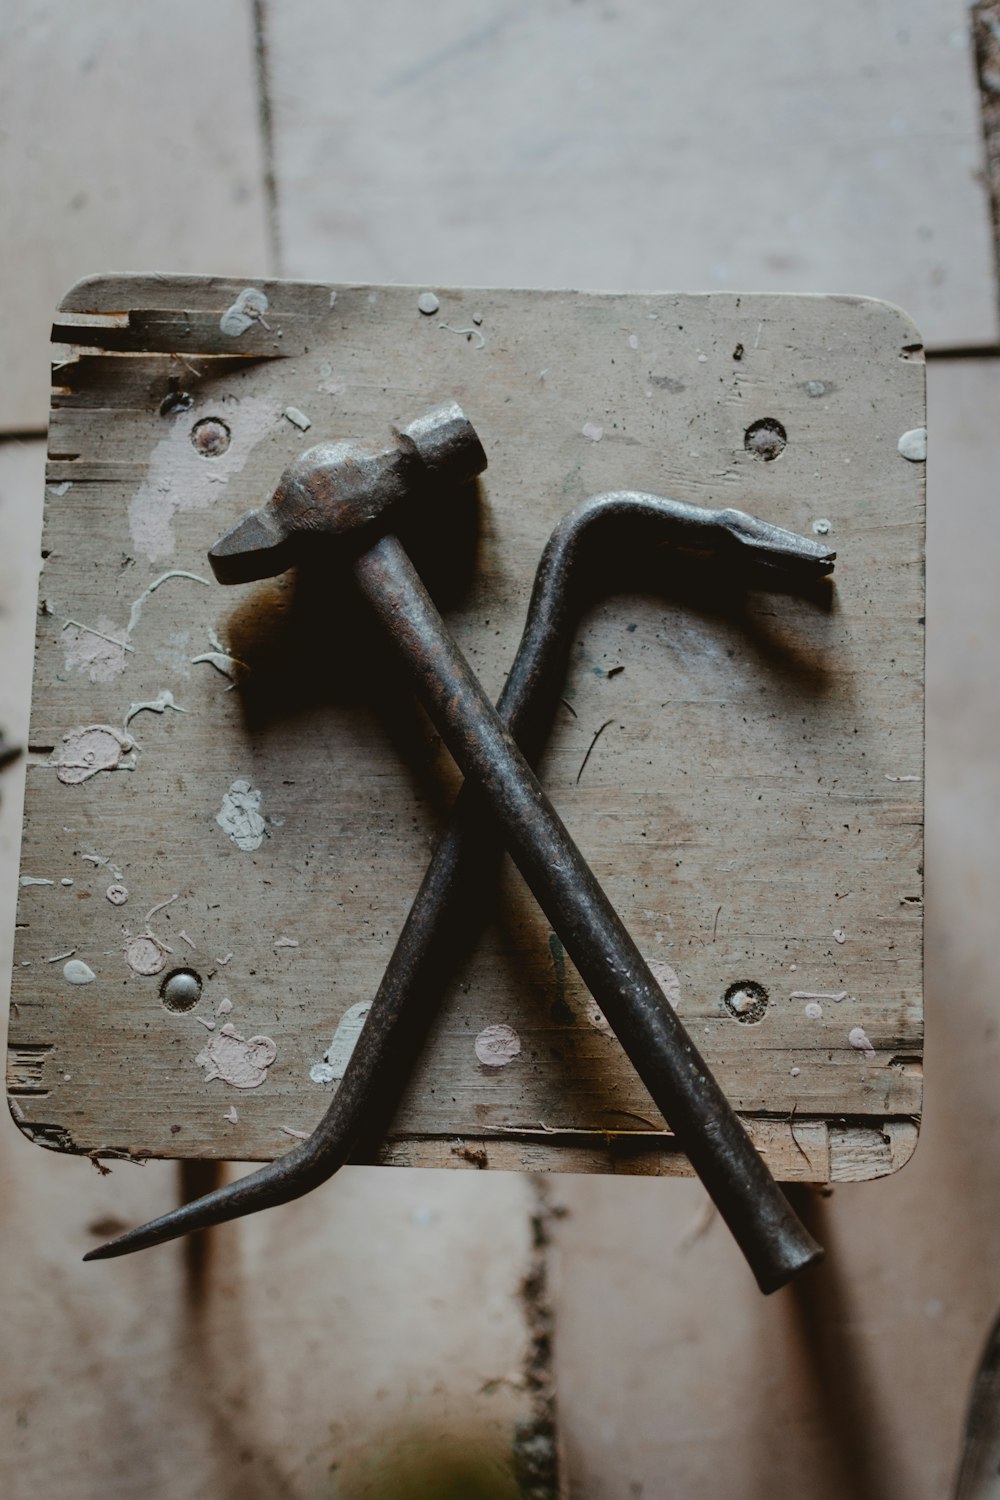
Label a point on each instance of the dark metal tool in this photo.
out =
(775, 1243)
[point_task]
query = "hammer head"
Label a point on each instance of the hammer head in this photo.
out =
(338, 490)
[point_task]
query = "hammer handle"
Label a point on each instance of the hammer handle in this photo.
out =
(775, 1243)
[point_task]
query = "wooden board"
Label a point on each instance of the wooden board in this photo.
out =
(753, 805)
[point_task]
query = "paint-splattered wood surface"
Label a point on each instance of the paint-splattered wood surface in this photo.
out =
(753, 804)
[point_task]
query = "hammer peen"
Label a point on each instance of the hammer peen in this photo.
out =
(344, 496)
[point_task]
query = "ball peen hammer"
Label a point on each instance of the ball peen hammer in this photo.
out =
(347, 493)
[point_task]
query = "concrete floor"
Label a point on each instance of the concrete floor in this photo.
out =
(401, 1325)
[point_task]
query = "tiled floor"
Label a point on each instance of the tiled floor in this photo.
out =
(786, 146)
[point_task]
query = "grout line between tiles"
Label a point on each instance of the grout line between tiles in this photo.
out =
(266, 123)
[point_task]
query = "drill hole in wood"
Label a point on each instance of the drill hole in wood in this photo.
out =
(746, 1001)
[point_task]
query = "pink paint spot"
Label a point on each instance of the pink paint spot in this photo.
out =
(238, 1062)
(145, 956)
(859, 1041)
(89, 749)
(496, 1046)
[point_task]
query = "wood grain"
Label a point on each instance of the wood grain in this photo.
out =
(757, 789)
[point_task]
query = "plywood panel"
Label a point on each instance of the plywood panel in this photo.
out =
(754, 805)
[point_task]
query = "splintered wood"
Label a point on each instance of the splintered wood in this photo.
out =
(232, 783)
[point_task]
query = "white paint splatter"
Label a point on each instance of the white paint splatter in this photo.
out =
(496, 1046)
(819, 995)
(428, 303)
(667, 979)
(77, 972)
(159, 907)
(135, 613)
(145, 956)
(99, 650)
(58, 957)
(91, 748)
(913, 445)
(859, 1041)
(225, 1006)
(345, 1039)
(297, 418)
(117, 895)
(157, 705)
(794, 1072)
(592, 431)
(633, 341)
(179, 478)
(102, 861)
(813, 1010)
(821, 527)
(298, 1135)
(286, 942)
(904, 778)
(322, 1072)
(240, 817)
(248, 309)
(34, 880)
(94, 650)
(839, 935)
(231, 1115)
(229, 666)
(237, 1061)
(470, 334)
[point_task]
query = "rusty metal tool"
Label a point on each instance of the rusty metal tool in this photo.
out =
(344, 488)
